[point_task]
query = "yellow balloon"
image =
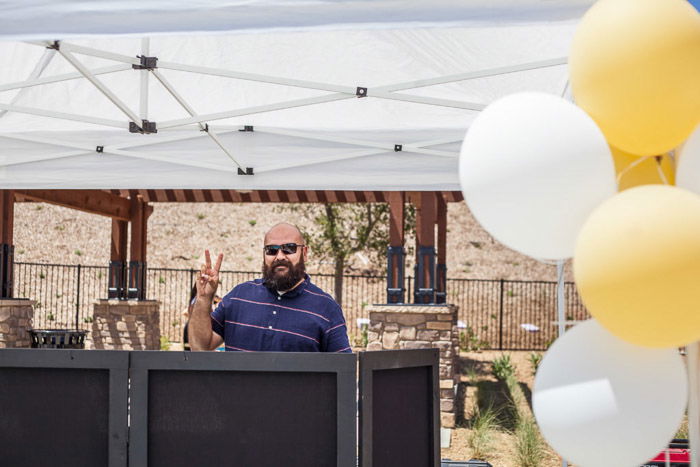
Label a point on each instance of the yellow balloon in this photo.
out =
(634, 170)
(635, 68)
(637, 265)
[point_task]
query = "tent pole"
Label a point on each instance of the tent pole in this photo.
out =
(62, 77)
(143, 101)
(100, 86)
(693, 360)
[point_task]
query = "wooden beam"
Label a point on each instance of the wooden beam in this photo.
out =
(138, 230)
(426, 215)
(396, 217)
(92, 201)
(7, 249)
(119, 240)
(267, 196)
(7, 216)
(441, 222)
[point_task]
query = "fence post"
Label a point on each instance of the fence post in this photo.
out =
(77, 301)
(500, 318)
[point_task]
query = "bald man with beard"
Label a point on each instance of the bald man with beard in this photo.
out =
(281, 312)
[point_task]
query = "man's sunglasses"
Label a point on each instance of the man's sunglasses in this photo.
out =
(287, 249)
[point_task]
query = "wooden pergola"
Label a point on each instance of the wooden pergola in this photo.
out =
(127, 275)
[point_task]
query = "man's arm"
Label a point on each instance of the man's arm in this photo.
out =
(201, 335)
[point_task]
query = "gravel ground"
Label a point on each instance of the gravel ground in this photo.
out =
(179, 233)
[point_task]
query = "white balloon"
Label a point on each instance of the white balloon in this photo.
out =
(532, 168)
(600, 401)
(688, 170)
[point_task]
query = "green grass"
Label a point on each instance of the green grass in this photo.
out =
(529, 446)
(484, 424)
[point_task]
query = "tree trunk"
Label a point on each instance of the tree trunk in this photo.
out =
(339, 268)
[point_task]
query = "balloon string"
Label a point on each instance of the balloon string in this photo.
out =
(630, 167)
(661, 172)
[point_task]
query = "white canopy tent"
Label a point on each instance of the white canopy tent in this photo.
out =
(342, 95)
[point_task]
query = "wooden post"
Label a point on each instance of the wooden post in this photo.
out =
(426, 212)
(116, 287)
(441, 268)
(137, 262)
(396, 255)
(7, 249)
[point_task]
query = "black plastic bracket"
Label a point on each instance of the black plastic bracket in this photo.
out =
(100, 149)
(55, 46)
(398, 147)
(361, 92)
(145, 128)
(147, 63)
(206, 128)
(247, 128)
(247, 171)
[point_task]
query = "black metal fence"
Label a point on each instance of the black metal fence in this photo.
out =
(493, 314)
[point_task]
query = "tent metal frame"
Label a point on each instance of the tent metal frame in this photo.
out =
(199, 124)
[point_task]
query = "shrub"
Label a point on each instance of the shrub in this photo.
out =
(164, 343)
(502, 367)
(469, 342)
(535, 360)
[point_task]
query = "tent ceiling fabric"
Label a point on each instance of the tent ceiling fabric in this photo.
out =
(66, 107)
(53, 19)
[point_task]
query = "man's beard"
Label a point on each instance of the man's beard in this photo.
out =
(283, 281)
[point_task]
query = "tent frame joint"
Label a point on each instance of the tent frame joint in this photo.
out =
(145, 128)
(247, 171)
(247, 129)
(147, 63)
(361, 92)
(56, 45)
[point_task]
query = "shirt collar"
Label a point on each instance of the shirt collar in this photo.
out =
(296, 290)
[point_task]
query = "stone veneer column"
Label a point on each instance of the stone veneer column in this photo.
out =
(126, 325)
(15, 319)
(421, 327)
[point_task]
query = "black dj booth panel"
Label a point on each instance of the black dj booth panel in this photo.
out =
(242, 409)
(399, 408)
(97, 408)
(63, 407)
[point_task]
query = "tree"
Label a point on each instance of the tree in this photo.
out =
(346, 229)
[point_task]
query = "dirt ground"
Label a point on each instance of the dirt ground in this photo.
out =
(178, 233)
(504, 454)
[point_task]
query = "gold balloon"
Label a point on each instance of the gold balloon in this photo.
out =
(637, 265)
(635, 68)
(634, 170)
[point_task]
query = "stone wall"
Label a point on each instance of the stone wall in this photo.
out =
(126, 325)
(15, 318)
(421, 327)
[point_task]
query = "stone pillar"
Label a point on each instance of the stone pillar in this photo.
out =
(126, 325)
(421, 327)
(15, 319)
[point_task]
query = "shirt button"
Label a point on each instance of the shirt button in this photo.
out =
(279, 297)
(274, 312)
(269, 327)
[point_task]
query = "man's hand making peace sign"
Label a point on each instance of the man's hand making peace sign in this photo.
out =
(208, 280)
(201, 336)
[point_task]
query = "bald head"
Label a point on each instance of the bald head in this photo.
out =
(282, 233)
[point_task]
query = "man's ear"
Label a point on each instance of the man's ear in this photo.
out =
(305, 252)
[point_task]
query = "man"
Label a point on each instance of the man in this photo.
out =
(281, 312)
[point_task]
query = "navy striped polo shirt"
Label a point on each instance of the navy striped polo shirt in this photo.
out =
(252, 317)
